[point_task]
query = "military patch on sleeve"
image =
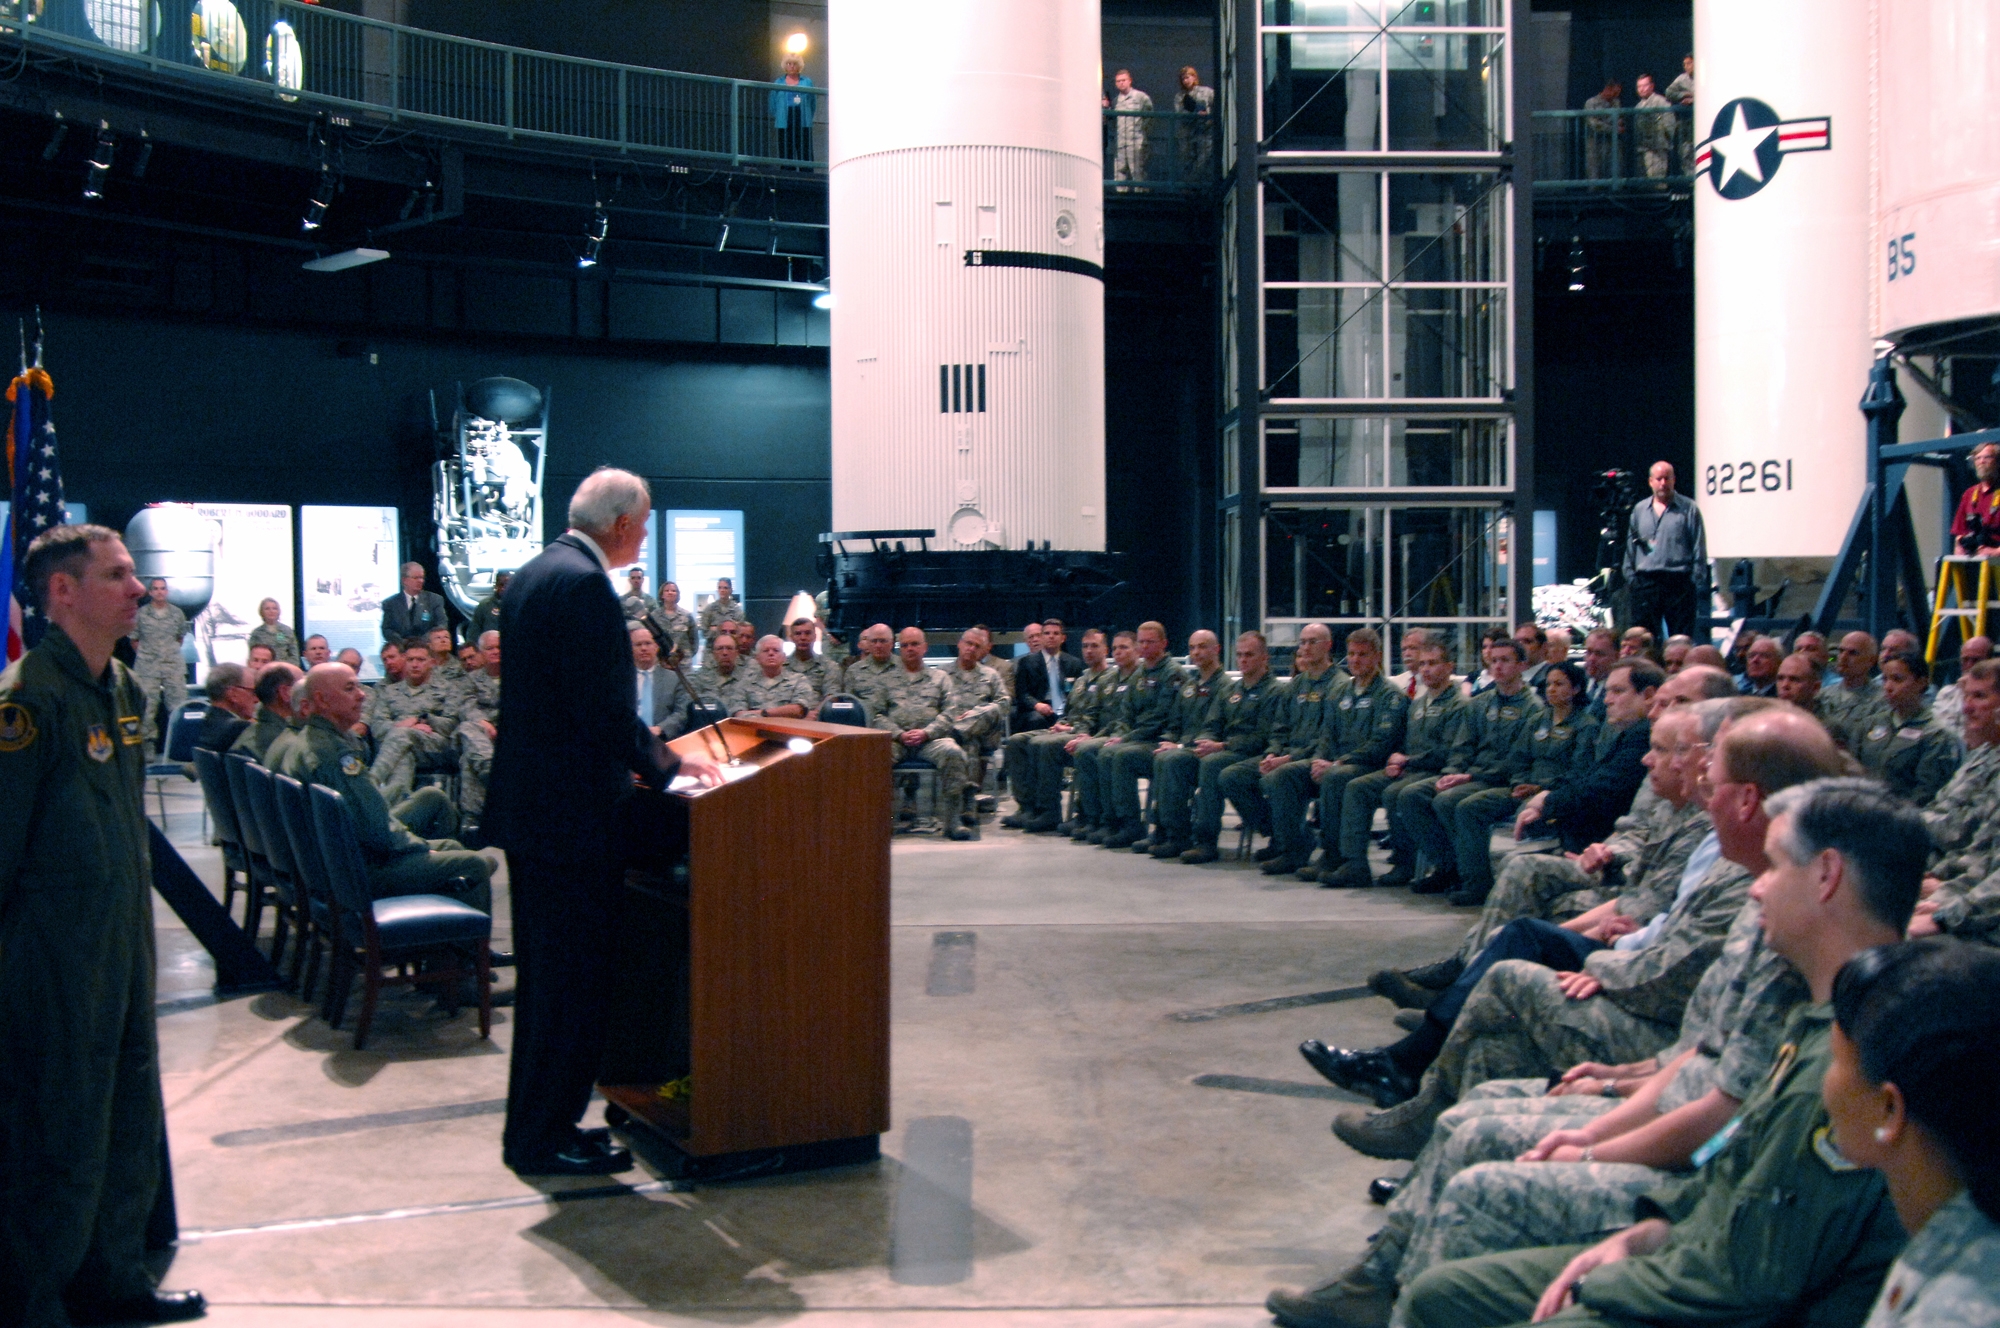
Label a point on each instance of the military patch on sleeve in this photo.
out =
(350, 765)
(130, 731)
(17, 728)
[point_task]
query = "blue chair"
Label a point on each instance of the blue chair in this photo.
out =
(288, 912)
(184, 728)
(316, 896)
(215, 795)
(413, 932)
(843, 708)
(257, 880)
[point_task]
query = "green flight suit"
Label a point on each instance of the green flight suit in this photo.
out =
(1431, 730)
(1543, 756)
(1241, 722)
(1038, 777)
(1775, 1227)
(1362, 727)
(1149, 714)
(1279, 798)
(1176, 769)
(401, 860)
(81, 1119)
(1488, 750)
(1915, 757)
(264, 730)
(1092, 785)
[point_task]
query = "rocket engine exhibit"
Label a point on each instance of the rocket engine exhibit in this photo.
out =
(966, 258)
(486, 492)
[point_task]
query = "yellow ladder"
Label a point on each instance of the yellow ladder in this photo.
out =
(1955, 579)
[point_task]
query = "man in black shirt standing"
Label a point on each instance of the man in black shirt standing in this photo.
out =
(1666, 557)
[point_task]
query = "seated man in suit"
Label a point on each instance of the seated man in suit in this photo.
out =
(662, 701)
(409, 846)
(231, 703)
(1042, 678)
(414, 612)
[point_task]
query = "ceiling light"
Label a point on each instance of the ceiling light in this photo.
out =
(722, 239)
(795, 44)
(344, 260)
(99, 169)
(593, 239)
(823, 300)
(1579, 266)
(322, 199)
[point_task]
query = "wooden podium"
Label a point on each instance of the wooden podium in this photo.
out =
(758, 972)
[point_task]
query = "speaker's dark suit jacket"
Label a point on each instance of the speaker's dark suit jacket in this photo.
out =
(570, 738)
(400, 622)
(1031, 686)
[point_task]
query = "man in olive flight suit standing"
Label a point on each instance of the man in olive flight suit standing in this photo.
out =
(82, 1125)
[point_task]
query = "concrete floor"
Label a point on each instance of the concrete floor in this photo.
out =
(319, 1185)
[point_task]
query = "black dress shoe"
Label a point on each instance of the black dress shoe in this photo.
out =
(159, 1307)
(1369, 1073)
(1382, 1189)
(500, 959)
(586, 1157)
(1442, 881)
(1398, 875)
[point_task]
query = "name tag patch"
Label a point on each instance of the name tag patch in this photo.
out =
(130, 731)
(1909, 733)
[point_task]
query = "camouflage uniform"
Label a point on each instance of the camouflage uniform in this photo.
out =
(264, 730)
(1966, 802)
(717, 612)
(1092, 788)
(399, 750)
(731, 690)
(475, 746)
(1944, 1276)
(1149, 711)
(920, 699)
(1488, 750)
(1241, 722)
(283, 642)
(761, 693)
(978, 708)
(1913, 755)
(449, 674)
(1177, 770)
(821, 674)
(867, 680)
(157, 664)
(1363, 726)
(1431, 730)
(1841, 705)
(1035, 758)
(1295, 718)
(676, 626)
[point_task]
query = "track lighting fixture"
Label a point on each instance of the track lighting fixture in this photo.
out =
(1579, 266)
(322, 199)
(593, 239)
(99, 169)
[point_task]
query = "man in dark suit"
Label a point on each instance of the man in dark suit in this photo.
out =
(415, 612)
(567, 749)
(231, 703)
(1036, 704)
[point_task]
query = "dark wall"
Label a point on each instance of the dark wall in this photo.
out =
(1622, 39)
(151, 409)
(729, 38)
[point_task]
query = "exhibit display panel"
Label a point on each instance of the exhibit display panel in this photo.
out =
(702, 547)
(220, 560)
(352, 563)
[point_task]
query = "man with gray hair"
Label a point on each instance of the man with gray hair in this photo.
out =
(562, 776)
(231, 703)
(414, 612)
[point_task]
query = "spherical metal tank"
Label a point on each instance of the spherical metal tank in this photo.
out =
(169, 540)
(1937, 244)
(508, 400)
(1782, 337)
(966, 257)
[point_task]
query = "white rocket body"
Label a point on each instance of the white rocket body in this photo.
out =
(1782, 272)
(966, 249)
(1937, 245)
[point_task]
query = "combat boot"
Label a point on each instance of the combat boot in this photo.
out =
(1170, 848)
(1400, 873)
(1201, 853)
(1399, 990)
(1440, 882)
(1437, 976)
(956, 823)
(1351, 1300)
(1401, 1131)
(1123, 837)
(1266, 853)
(1043, 824)
(1351, 875)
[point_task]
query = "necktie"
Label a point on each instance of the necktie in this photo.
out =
(1056, 697)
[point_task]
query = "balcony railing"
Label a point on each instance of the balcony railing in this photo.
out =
(1621, 149)
(1168, 152)
(297, 53)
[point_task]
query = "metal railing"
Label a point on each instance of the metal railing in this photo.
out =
(1621, 148)
(1160, 151)
(299, 53)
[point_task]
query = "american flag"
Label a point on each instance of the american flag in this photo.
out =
(35, 467)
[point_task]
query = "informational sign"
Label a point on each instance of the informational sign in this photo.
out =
(252, 546)
(351, 566)
(703, 547)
